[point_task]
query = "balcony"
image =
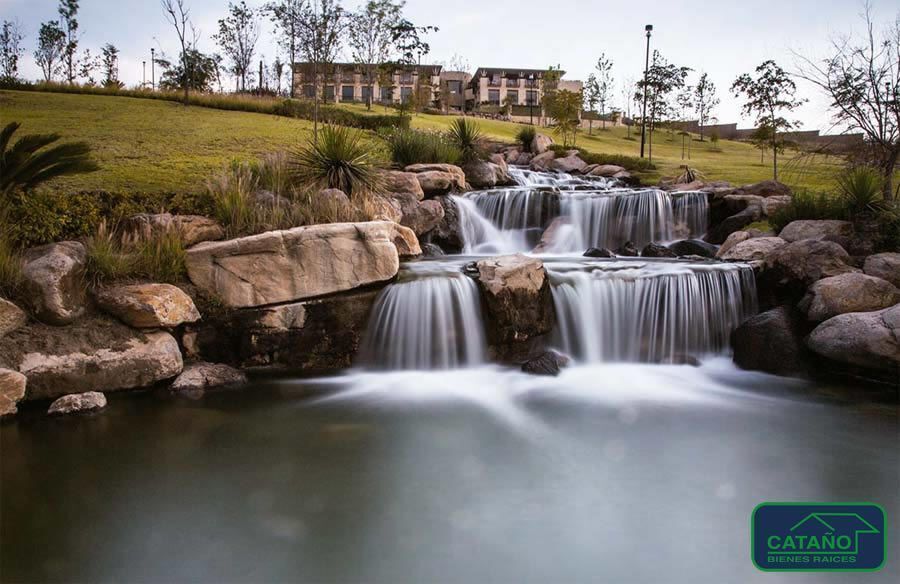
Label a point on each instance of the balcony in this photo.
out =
(532, 83)
(406, 79)
(512, 82)
(494, 82)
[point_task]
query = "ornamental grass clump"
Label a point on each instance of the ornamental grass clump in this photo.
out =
(339, 159)
(467, 137)
(417, 147)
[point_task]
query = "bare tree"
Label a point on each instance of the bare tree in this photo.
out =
(604, 85)
(68, 10)
(321, 25)
(705, 101)
(286, 14)
(49, 52)
(179, 16)
(10, 49)
(237, 37)
(591, 97)
(371, 35)
(861, 78)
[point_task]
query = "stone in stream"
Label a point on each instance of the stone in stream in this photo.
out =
(695, 247)
(198, 377)
(432, 250)
(12, 391)
(516, 292)
(547, 363)
(870, 340)
(598, 252)
(844, 293)
(772, 341)
(654, 250)
(53, 277)
(752, 249)
(78, 403)
(628, 249)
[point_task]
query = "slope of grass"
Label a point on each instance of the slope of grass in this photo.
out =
(150, 145)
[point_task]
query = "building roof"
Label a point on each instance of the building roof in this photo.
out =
(511, 71)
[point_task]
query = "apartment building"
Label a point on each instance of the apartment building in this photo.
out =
(346, 82)
(497, 86)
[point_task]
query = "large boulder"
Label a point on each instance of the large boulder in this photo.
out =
(540, 143)
(76, 403)
(12, 390)
(885, 266)
(420, 216)
(11, 317)
(771, 341)
(96, 356)
(300, 263)
(807, 261)
(516, 291)
(439, 179)
(148, 305)
(774, 203)
(54, 281)
(447, 234)
(396, 181)
(551, 235)
(316, 336)
(568, 164)
(766, 188)
(501, 170)
(819, 229)
(481, 174)
(385, 208)
(695, 247)
(541, 162)
(193, 229)
(752, 249)
(201, 376)
(654, 250)
(606, 170)
(844, 293)
(870, 340)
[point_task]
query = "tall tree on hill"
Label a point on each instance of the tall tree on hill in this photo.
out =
(68, 12)
(237, 37)
(286, 14)
(604, 85)
(769, 94)
(861, 78)
(109, 62)
(705, 101)
(322, 22)
(10, 50)
(591, 97)
(661, 80)
(371, 33)
(179, 16)
(86, 66)
(50, 47)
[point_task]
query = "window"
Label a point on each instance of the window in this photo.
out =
(405, 94)
(309, 91)
(387, 94)
(531, 98)
(513, 97)
(406, 78)
(494, 96)
(346, 93)
(512, 81)
(454, 87)
(494, 81)
(329, 93)
(366, 93)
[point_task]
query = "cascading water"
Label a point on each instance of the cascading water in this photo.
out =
(649, 311)
(691, 214)
(432, 321)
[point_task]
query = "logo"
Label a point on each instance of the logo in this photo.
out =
(818, 537)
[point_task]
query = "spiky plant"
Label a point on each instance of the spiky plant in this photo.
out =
(525, 136)
(860, 188)
(33, 160)
(466, 135)
(337, 160)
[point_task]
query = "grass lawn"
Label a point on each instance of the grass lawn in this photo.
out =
(149, 145)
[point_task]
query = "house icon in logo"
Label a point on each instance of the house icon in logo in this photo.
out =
(836, 533)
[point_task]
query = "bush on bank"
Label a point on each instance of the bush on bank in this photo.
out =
(629, 163)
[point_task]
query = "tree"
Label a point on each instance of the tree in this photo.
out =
(286, 14)
(109, 62)
(49, 52)
(564, 108)
(237, 37)
(179, 16)
(769, 94)
(278, 71)
(68, 11)
(591, 97)
(629, 89)
(10, 50)
(604, 85)
(372, 33)
(705, 101)
(321, 24)
(861, 78)
(86, 66)
(661, 80)
(203, 72)
(761, 138)
(684, 101)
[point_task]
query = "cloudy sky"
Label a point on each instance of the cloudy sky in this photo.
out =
(723, 38)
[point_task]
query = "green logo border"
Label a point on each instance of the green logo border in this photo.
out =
(821, 504)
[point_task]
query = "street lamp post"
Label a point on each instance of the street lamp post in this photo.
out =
(152, 69)
(144, 75)
(530, 91)
(649, 29)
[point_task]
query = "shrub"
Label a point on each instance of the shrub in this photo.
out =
(272, 173)
(630, 163)
(154, 255)
(860, 188)
(806, 205)
(338, 160)
(161, 256)
(466, 136)
(232, 193)
(525, 136)
(688, 175)
(414, 146)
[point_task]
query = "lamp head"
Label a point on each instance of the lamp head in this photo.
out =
(649, 28)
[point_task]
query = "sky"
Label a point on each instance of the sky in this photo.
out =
(723, 38)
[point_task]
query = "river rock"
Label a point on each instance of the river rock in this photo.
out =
(720, 232)
(870, 340)
(766, 188)
(540, 143)
(551, 235)
(335, 199)
(516, 292)
(807, 261)
(511, 155)
(54, 281)
(201, 376)
(547, 363)
(541, 162)
(772, 204)
(11, 317)
(771, 341)
(119, 358)
(654, 250)
(598, 252)
(524, 159)
(568, 164)
(432, 250)
(501, 170)
(420, 216)
(753, 249)
(885, 266)
(300, 263)
(694, 247)
(628, 250)
(606, 170)
(386, 209)
(481, 174)
(396, 181)
(148, 305)
(75, 403)
(12, 390)
(193, 229)
(819, 229)
(851, 292)
(439, 179)
(447, 233)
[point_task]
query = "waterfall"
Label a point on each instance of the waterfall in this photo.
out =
(650, 312)
(430, 322)
(691, 214)
(507, 220)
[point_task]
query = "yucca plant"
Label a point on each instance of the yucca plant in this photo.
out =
(525, 136)
(33, 160)
(339, 159)
(861, 190)
(466, 135)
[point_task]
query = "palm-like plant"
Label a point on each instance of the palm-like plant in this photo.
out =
(338, 160)
(32, 160)
(861, 189)
(466, 135)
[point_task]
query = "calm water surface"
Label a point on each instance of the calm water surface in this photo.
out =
(612, 473)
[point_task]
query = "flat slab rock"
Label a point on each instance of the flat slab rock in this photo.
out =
(77, 403)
